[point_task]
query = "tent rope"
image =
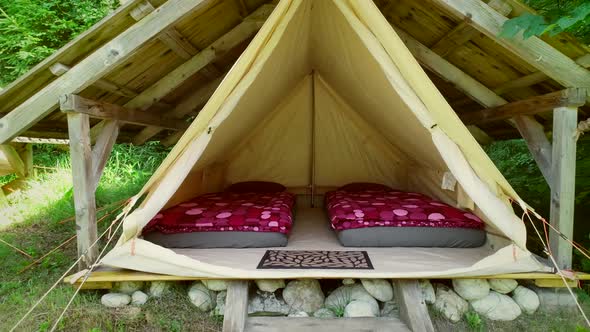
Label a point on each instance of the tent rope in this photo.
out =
(559, 271)
(65, 274)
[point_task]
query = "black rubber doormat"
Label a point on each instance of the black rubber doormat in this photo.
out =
(315, 259)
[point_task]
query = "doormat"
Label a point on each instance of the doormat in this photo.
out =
(315, 259)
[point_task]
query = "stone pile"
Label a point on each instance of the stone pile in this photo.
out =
(132, 292)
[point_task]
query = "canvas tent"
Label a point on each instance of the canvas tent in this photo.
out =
(325, 94)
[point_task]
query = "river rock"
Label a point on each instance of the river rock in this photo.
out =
(348, 281)
(219, 309)
(267, 303)
(451, 305)
(324, 313)
(343, 295)
(503, 286)
(304, 295)
(115, 300)
(159, 288)
(471, 289)
(215, 285)
(526, 299)
(390, 309)
(378, 288)
(358, 308)
(129, 287)
(496, 306)
(298, 314)
(427, 291)
(139, 298)
(202, 297)
(270, 285)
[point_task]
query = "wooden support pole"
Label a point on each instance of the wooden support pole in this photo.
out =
(413, 310)
(236, 306)
(565, 120)
(102, 150)
(84, 199)
(14, 159)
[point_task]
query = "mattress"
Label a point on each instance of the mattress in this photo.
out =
(379, 218)
(226, 219)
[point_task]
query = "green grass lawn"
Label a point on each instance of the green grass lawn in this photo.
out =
(34, 222)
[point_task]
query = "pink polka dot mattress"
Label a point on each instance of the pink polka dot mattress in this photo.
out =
(396, 218)
(220, 220)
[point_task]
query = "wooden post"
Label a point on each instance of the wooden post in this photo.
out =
(236, 306)
(84, 200)
(563, 188)
(412, 308)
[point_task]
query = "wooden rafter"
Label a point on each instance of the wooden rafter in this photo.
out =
(531, 130)
(533, 50)
(59, 69)
(568, 97)
(95, 66)
(97, 109)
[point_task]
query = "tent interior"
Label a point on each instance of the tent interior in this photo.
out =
(326, 95)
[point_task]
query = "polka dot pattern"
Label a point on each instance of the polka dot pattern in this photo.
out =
(228, 211)
(374, 208)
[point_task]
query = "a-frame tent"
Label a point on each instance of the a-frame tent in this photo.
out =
(327, 93)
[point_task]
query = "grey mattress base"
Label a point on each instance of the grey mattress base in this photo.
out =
(412, 237)
(204, 240)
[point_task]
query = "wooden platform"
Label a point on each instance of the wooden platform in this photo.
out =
(104, 279)
(283, 324)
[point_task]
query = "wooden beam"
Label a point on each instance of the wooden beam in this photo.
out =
(14, 159)
(95, 66)
(464, 32)
(186, 106)
(35, 140)
(102, 110)
(412, 307)
(533, 50)
(545, 103)
(236, 306)
(221, 46)
(531, 130)
(535, 78)
(84, 199)
(565, 120)
(242, 7)
(340, 324)
(58, 69)
(102, 150)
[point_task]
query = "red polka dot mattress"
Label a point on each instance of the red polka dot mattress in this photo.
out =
(228, 212)
(389, 208)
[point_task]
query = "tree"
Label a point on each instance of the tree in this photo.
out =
(553, 17)
(31, 30)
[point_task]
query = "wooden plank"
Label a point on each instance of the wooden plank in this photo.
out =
(186, 106)
(568, 97)
(289, 324)
(59, 69)
(84, 199)
(565, 120)
(412, 307)
(221, 46)
(95, 66)
(97, 109)
(102, 150)
(534, 51)
(236, 306)
(14, 159)
(535, 78)
(531, 130)
(35, 140)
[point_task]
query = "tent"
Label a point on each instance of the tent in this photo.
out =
(325, 94)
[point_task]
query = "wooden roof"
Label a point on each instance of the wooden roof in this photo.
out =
(172, 73)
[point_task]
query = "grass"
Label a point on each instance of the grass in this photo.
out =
(32, 223)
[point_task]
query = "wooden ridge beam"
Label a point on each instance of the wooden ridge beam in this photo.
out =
(533, 50)
(186, 106)
(531, 130)
(58, 69)
(95, 66)
(176, 77)
(464, 31)
(572, 97)
(535, 78)
(97, 109)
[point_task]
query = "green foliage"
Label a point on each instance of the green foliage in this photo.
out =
(554, 17)
(474, 322)
(31, 30)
